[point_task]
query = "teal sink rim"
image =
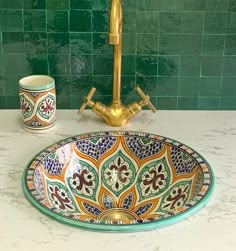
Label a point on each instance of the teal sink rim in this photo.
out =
(163, 222)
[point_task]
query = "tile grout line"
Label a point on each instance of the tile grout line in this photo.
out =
(201, 56)
(69, 56)
(46, 24)
(223, 61)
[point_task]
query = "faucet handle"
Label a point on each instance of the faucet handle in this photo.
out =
(87, 100)
(146, 100)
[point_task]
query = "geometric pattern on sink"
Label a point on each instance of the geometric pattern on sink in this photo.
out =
(118, 181)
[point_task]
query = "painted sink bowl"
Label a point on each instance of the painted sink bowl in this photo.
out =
(118, 181)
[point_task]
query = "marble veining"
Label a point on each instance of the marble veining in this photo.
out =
(212, 134)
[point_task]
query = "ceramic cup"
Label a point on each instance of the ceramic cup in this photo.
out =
(38, 103)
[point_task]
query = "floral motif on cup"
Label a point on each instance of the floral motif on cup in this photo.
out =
(47, 107)
(26, 106)
(176, 197)
(118, 173)
(155, 178)
(60, 198)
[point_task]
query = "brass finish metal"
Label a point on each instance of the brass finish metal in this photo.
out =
(116, 114)
(118, 214)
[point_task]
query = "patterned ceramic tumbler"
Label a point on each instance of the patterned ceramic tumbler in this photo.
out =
(38, 103)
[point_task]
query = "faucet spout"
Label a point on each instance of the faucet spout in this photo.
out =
(115, 22)
(116, 114)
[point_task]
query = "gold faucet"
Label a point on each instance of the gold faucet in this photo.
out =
(116, 114)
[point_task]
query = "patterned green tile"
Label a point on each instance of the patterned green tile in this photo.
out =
(58, 5)
(192, 22)
(1, 64)
(103, 84)
(105, 99)
(213, 45)
(147, 65)
(180, 44)
(35, 42)
(209, 104)
(147, 84)
(64, 102)
(232, 5)
(130, 22)
(167, 103)
(38, 63)
(129, 43)
(1, 50)
(128, 65)
(57, 21)
(3, 102)
(34, 20)
(59, 64)
(2, 85)
(130, 5)
(128, 85)
(13, 42)
(11, 20)
(34, 4)
(210, 87)
(80, 21)
(170, 5)
(80, 84)
(15, 64)
(147, 43)
(167, 86)
(147, 22)
(81, 43)
(170, 22)
(13, 102)
(184, 22)
(77, 101)
(101, 45)
(102, 64)
(81, 64)
(12, 84)
(231, 25)
(229, 87)
(11, 4)
(212, 66)
(193, 5)
(58, 43)
(100, 21)
(229, 66)
(230, 46)
(190, 66)
(217, 5)
(148, 5)
(228, 103)
(188, 86)
(101, 4)
(215, 23)
(168, 45)
(82, 4)
(62, 84)
(187, 103)
(168, 66)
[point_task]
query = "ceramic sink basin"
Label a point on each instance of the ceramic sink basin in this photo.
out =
(118, 181)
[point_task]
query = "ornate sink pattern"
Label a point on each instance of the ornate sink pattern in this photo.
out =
(118, 181)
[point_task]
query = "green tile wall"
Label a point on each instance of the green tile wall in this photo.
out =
(181, 52)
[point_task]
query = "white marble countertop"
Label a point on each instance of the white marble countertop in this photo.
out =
(213, 134)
